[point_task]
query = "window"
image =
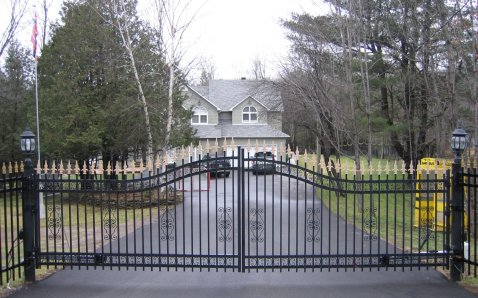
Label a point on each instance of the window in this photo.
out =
(199, 116)
(249, 115)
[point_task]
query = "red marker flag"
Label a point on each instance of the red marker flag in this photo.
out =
(34, 37)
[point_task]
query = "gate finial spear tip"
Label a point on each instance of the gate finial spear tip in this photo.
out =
(61, 169)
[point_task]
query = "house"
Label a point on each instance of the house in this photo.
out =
(248, 111)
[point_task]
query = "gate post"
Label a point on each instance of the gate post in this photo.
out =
(458, 144)
(27, 145)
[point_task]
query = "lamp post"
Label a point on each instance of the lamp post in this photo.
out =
(28, 145)
(458, 145)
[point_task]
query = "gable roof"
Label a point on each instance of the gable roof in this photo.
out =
(227, 94)
(202, 91)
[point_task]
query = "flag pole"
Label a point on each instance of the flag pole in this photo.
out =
(34, 42)
(36, 109)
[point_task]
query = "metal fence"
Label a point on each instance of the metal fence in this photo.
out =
(470, 182)
(11, 226)
(255, 213)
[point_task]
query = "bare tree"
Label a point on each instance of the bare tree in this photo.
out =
(174, 18)
(45, 6)
(123, 24)
(258, 68)
(208, 72)
(16, 10)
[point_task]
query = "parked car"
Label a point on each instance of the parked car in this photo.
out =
(263, 163)
(218, 165)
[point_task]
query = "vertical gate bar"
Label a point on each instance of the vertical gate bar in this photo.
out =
(69, 224)
(134, 227)
(265, 218)
(345, 181)
(280, 215)
(102, 224)
(192, 217)
(475, 186)
(208, 221)
(362, 194)
(166, 221)
(233, 191)
(242, 206)
(337, 218)
(216, 232)
(248, 220)
(468, 216)
(54, 224)
(200, 212)
(62, 225)
(3, 219)
(297, 216)
(150, 202)
(321, 217)
(141, 185)
(12, 235)
(354, 222)
(428, 228)
(329, 232)
(225, 214)
(47, 217)
(387, 181)
(371, 207)
(85, 213)
(305, 216)
(314, 190)
(404, 225)
(273, 216)
(379, 218)
(256, 199)
(123, 185)
(175, 206)
(288, 219)
(448, 219)
(158, 176)
(77, 192)
(435, 224)
(395, 220)
(118, 242)
(110, 227)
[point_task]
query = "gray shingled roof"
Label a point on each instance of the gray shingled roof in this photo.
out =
(226, 94)
(238, 131)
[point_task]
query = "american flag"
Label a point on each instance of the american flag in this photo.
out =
(34, 37)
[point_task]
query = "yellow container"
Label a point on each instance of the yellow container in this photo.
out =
(430, 206)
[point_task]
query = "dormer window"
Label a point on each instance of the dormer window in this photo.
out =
(249, 115)
(199, 116)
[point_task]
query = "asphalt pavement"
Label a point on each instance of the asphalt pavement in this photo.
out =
(106, 283)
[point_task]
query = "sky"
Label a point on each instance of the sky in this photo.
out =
(227, 34)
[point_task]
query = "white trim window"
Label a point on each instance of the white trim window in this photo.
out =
(200, 116)
(249, 115)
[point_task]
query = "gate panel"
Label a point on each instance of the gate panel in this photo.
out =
(139, 220)
(299, 218)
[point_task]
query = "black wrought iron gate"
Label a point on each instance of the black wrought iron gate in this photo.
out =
(258, 214)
